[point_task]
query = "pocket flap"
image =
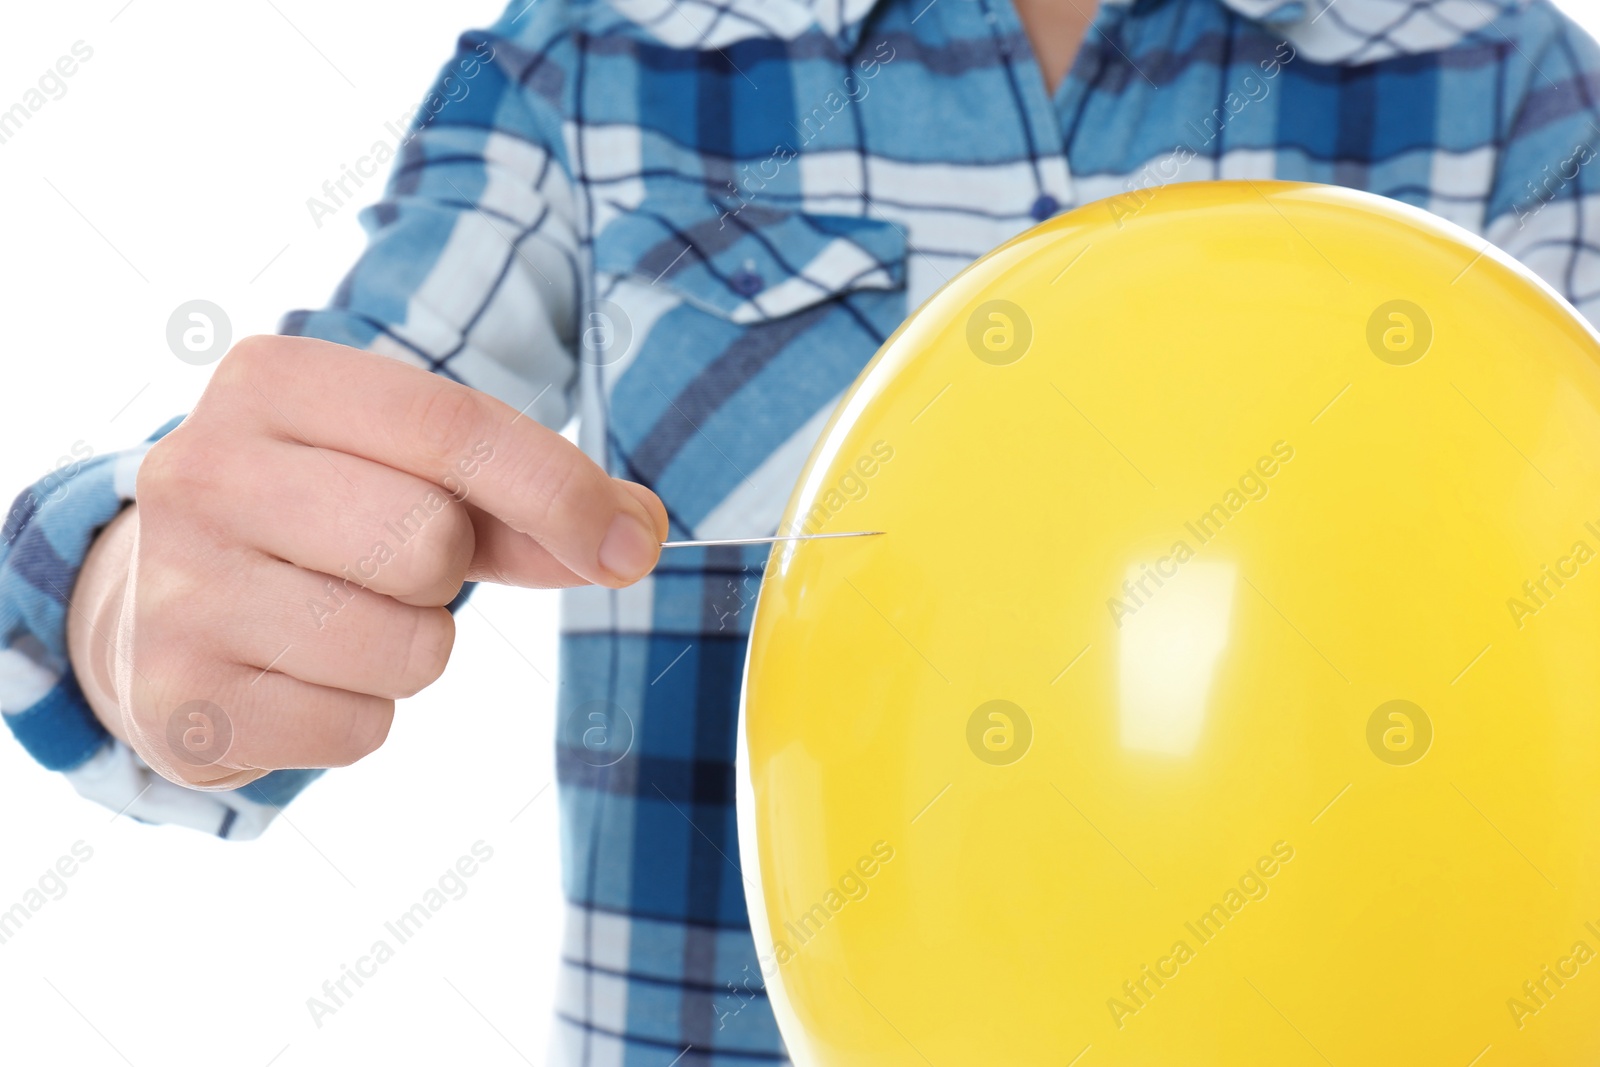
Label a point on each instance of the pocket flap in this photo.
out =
(755, 264)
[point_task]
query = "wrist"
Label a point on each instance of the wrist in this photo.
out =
(92, 624)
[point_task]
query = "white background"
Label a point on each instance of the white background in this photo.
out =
(191, 141)
(177, 166)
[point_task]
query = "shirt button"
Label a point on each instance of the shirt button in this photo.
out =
(747, 283)
(1044, 207)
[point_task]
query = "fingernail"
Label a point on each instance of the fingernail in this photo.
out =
(629, 550)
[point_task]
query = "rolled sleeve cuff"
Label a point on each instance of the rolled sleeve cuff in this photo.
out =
(43, 543)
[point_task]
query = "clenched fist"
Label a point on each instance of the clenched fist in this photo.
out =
(282, 579)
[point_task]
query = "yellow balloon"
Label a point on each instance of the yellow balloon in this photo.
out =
(1225, 689)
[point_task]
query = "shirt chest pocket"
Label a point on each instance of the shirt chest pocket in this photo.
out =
(727, 337)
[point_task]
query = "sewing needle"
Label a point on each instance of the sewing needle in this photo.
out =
(767, 540)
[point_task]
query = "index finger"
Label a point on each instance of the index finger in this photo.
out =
(538, 483)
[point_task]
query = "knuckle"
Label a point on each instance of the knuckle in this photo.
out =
(437, 640)
(546, 481)
(179, 597)
(162, 467)
(425, 652)
(178, 468)
(445, 416)
(367, 727)
(246, 359)
(439, 552)
(172, 735)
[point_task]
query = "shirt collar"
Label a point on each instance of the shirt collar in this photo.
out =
(1346, 32)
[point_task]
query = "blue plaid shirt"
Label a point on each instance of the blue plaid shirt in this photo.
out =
(690, 224)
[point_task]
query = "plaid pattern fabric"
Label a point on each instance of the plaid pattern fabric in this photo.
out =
(690, 223)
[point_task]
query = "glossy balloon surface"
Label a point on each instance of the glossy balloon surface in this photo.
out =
(1226, 687)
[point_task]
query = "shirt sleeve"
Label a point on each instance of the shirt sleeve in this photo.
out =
(471, 265)
(44, 541)
(470, 272)
(1544, 208)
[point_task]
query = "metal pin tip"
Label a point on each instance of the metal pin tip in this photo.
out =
(769, 540)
